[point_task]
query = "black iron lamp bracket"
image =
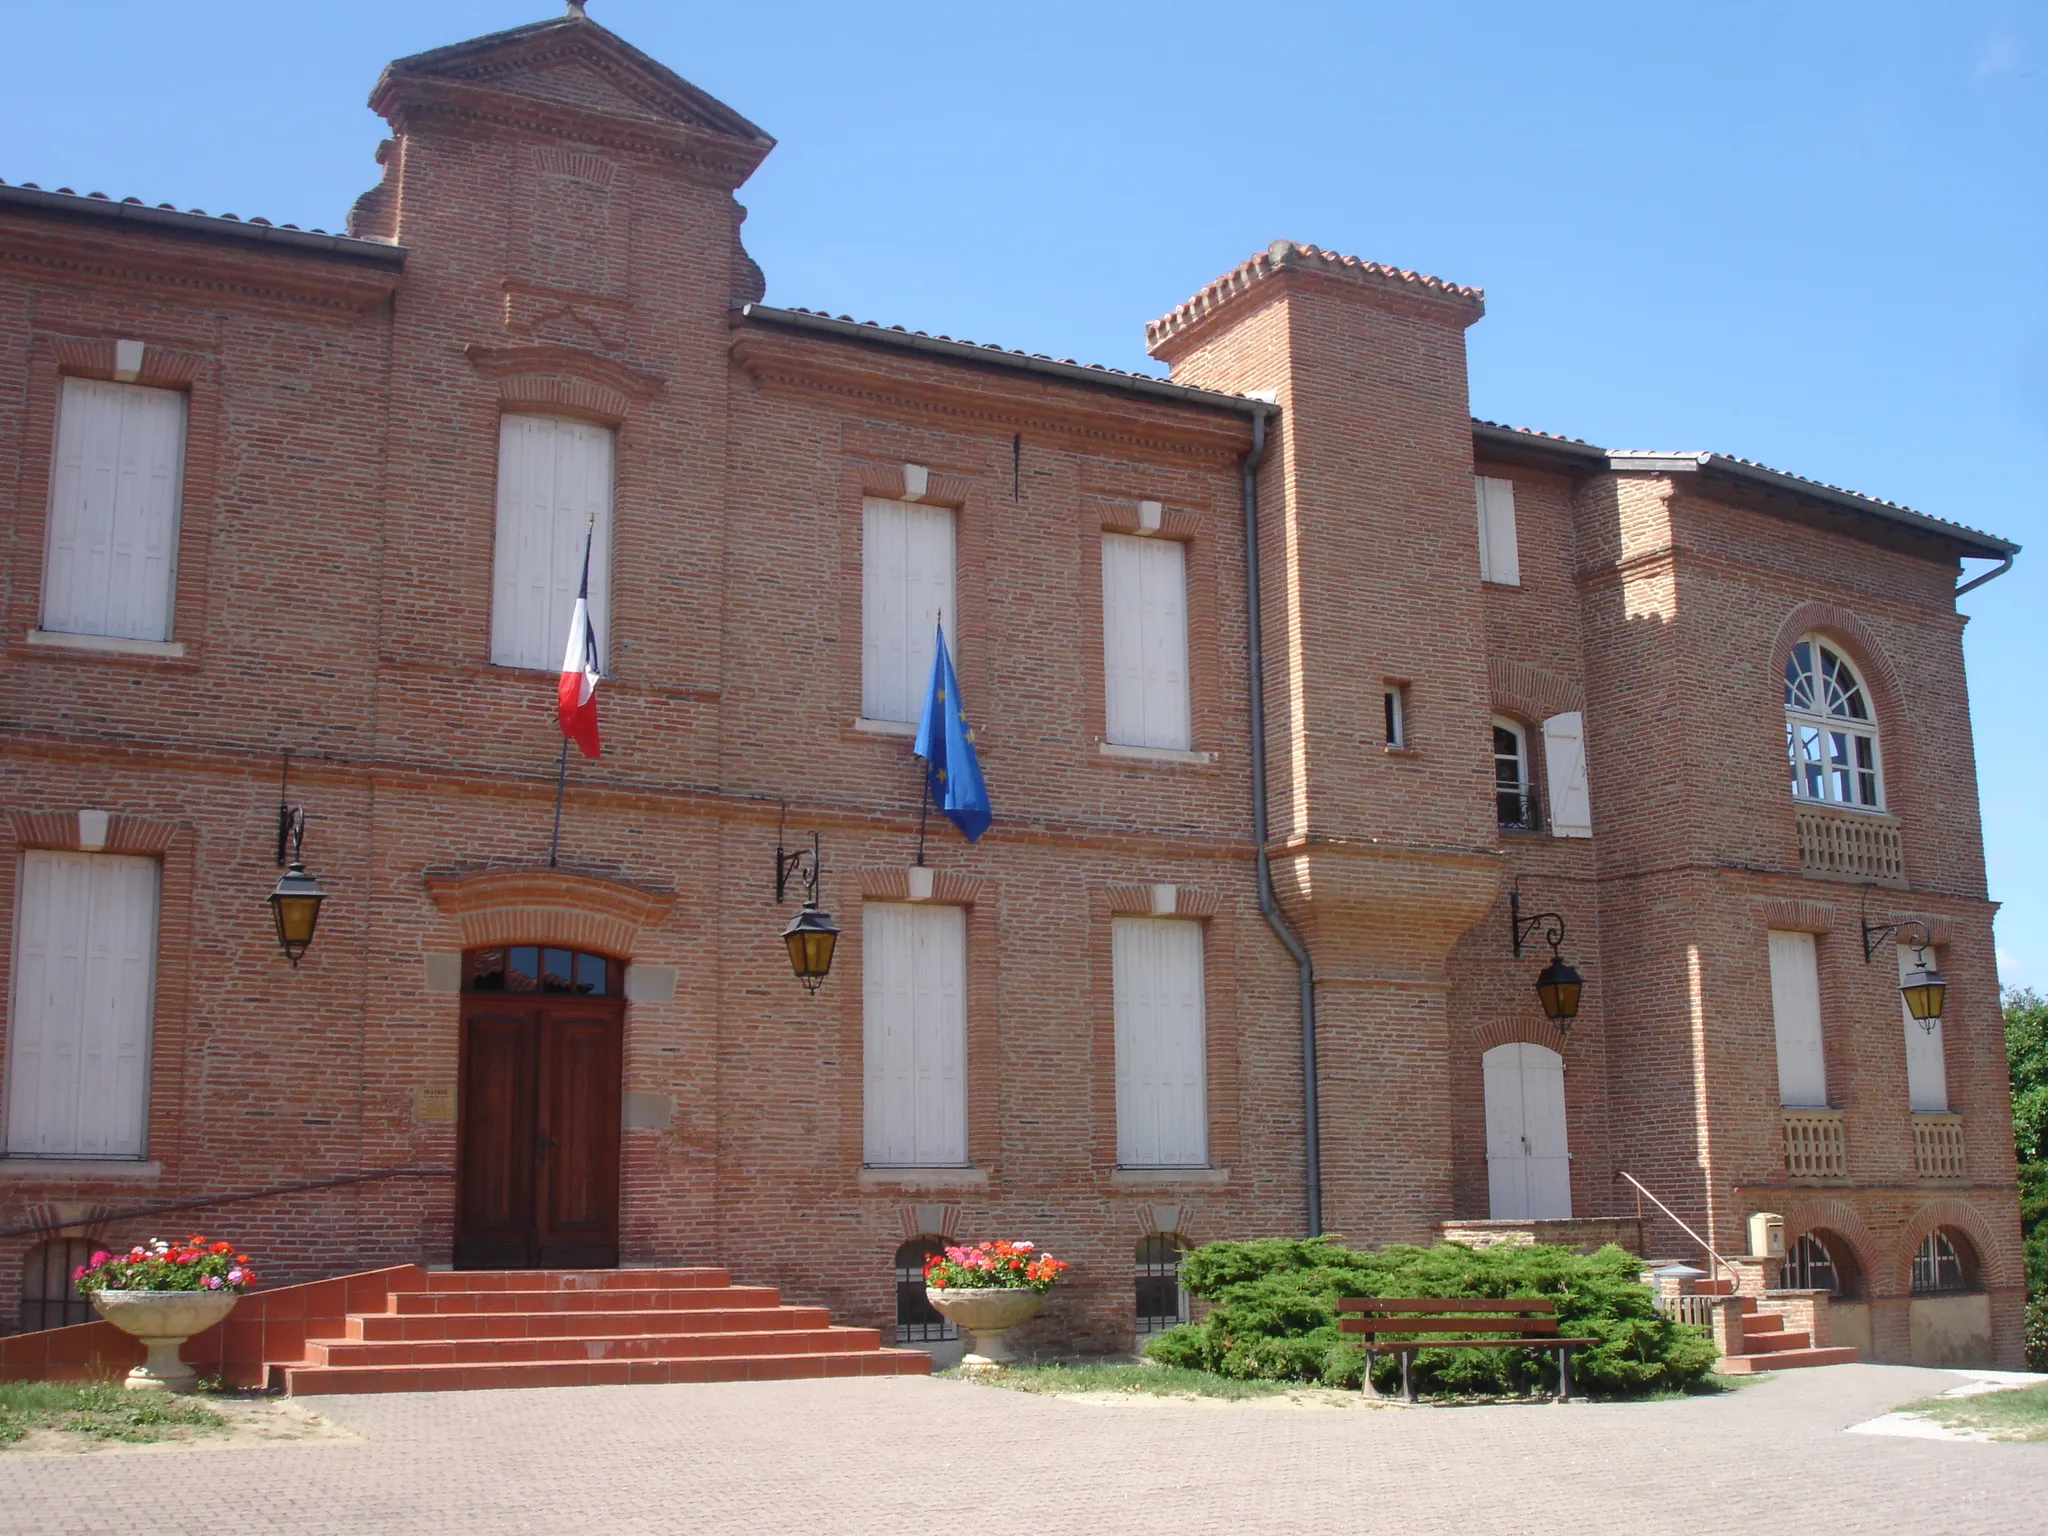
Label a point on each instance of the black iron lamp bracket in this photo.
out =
(1522, 929)
(291, 821)
(1905, 928)
(799, 866)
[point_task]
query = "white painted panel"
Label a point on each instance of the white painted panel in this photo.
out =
(1564, 770)
(78, 1037)
(1926, 1070)
(1528, 1153)
(1499, 551)
(1795, 1013)
(906, 584)
(110, 557)
(554, 483)
(914, 997)
(1145, 642)
(1161, 1043)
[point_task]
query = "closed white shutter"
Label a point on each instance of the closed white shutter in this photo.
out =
(914, 1000)
(1145, 642)
(1564, 769)
(78, 1032)
(1500, 558)
(906, 584)
(110, 561)
(554, 482)
(1926, 1071)
(1795, 1012)
(1162, 1118)
(1528, 1154)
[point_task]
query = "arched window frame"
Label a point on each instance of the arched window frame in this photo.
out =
(1155, 1268)
(1832, 748)
(1514, 787)
(917, 1320)
(1812, 1264)
(1944, 1264)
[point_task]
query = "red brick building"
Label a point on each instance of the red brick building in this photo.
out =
(276, 491)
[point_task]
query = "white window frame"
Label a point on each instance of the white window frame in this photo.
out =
(1500, 557)
(1397, 716)
(1797, 1026)
(1525, 789)
(1825, 741)
(537, 551)
(1162, 1042)
(909, 557)
(107, 515)
(83, 1002)
(913, 1035)
(1145, 683)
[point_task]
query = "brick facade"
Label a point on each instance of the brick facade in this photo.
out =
(555, 231)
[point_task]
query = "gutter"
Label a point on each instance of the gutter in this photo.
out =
(1991, 575)
(139, 216)
(1311, 1113)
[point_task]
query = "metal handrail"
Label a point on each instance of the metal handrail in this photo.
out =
(1705, 1247)
(164, 1207)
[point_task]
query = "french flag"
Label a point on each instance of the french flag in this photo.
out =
(576, 696)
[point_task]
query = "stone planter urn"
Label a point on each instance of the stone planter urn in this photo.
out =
(164, 1320)
(985, 1315)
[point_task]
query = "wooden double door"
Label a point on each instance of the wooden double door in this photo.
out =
(538, 1130)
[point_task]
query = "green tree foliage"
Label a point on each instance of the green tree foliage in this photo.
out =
(2026, 1054)
(1273, 1316)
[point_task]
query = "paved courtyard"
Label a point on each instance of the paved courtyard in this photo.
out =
(912, 1454)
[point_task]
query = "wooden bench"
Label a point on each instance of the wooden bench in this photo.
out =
(1531, 1320)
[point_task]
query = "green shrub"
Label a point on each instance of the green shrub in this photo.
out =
(1273, 1316)
(2037, 1334)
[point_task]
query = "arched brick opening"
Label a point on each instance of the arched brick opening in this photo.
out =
(1987, 1257)
(548, 906)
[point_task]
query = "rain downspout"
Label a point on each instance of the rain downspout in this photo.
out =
(1310, 1114)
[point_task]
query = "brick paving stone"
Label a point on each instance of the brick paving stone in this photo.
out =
(895, 1455)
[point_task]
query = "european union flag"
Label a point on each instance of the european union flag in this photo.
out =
(946, 743)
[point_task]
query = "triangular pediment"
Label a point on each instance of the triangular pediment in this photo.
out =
(571, 62)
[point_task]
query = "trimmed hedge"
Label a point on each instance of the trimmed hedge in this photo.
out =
(1273, 1316)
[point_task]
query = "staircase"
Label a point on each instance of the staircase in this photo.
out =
(1767, 1345)
(454, 1331)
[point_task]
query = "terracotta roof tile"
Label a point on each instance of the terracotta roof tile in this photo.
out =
(215, 220)
(1283, 254)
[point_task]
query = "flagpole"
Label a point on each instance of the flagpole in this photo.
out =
(923, 806)
(561, 778)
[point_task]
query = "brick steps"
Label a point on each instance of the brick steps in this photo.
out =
(466, 1330)
(1783, 1360)
(1767, 1344)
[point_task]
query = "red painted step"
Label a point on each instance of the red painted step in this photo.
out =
(551, 1328)
(1783, 1360)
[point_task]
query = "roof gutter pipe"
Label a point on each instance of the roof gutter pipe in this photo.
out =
(1991, 575)
(1311, 1114)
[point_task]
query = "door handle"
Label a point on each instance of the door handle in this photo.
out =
(541, 1142)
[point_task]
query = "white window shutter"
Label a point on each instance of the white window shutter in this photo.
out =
(554, 483)
(914, 1066)
(110, 561)
(1564, 769)
(1795, 1014)
(1161, 1043)
(1926, 1070)
(78, 1047)
(906, 585)
(1145, 642)
(1500, 559)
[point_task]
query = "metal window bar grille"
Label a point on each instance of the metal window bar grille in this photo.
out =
(917, 1321)
(48, 1298)
(1810, 1267)
(1937, 1267)
(1162, 1304)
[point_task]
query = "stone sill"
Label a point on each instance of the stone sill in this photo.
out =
(869, 727)
(1155, 754)
(923, 1178)
(77, 1170)
(114, 645)
(1146, 1178)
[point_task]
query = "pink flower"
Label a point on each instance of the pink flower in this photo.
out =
(213, 1282)
(235, 1276)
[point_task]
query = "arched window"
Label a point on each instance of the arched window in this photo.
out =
(1944, 1262)
(1830, 732)
(917, 1320)
(48, 1298)
(1819, 1262)
(1162, 1304)
(539, 968)
(1514, 803)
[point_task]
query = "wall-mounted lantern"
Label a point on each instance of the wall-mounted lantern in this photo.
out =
(1558, 985)
(1922, 987)
(295, 901)
(811, 935)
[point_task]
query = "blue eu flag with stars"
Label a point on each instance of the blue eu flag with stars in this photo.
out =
(946, 743)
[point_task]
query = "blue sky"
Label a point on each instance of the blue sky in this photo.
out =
(1813, 235)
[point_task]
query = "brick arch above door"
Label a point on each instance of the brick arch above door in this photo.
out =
(539, 905)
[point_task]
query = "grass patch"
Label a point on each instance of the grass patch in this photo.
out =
(102, 1410)
(2021, 1414)
(1153, 1380)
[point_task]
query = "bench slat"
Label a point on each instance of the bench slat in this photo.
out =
(1439, 1304)
(1533, 1327)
